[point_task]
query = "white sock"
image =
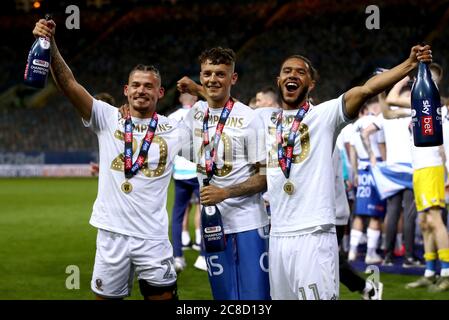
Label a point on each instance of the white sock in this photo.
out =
(198, 236)
(355, 239)
(444, 272)
(398, 241)
(373, 240)
(185, 238)
(429, 273)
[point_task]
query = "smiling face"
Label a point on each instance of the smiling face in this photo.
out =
(143, 92)
(295, 82)
(217, 79)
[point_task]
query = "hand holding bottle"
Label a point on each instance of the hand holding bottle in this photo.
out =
(39, 56)
(44, 28)
(426, 105)
(420, 53)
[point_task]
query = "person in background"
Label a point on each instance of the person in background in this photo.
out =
(186, 186)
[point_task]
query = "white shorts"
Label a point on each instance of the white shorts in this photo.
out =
(304, 267)
(119, 256)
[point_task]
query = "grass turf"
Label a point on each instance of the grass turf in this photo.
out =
(45, 228)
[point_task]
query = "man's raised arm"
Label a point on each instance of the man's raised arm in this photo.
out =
(356, 97)
(62, 74)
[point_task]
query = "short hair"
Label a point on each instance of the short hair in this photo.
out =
(252, 102)
(436, 67)
(106, 97)
(313, 72)
(218, 55)
(269, 90)
(146, 68)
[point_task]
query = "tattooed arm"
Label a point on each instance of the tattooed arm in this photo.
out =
(365, 134)
(257, 183)
(62, 74)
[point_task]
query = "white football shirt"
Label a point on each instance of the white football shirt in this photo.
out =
(312, 204)
(397, 139)
(141, 213)
(183, 169)
(356, 138)
(237, 153)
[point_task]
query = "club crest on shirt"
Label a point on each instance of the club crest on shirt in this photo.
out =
(99, 284)
(274, 117)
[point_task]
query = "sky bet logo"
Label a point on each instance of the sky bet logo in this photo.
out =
(426, 121)
(426, 126)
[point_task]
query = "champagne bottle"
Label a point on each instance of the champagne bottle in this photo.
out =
(212, 227)
(426, 109)
(38, 64)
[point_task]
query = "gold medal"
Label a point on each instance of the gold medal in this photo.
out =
(289, 188)
(127, 187)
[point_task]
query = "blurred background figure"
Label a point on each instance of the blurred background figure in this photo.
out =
(186, 188)
(267, 97)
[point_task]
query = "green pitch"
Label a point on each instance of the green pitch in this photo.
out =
(45, 228)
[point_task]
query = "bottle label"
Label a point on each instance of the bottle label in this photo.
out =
(44, 43)
(214, 229)
(40, 63)
(426, 126)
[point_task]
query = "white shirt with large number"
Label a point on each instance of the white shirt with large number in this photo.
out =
(237, 154)
(397, 138)
(312, 205)
(141, 213)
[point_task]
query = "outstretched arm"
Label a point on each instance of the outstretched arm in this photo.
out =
(389, 113)
(395, 98)
(357, 96)
(211, 194)
(62, 74)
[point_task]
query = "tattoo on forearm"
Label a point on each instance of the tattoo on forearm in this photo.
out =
(254, 184)
(366, 144)
(60, 70)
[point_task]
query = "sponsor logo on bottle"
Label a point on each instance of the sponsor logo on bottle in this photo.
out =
(40, 63)
(426, 126)
(214, 229)
(426, 107)
(44, 43)
(210, 210)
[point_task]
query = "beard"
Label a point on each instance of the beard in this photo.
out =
(294, 104)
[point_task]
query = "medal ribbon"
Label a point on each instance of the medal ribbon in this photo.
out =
(130, 168)
(211, 154)
(285, 154)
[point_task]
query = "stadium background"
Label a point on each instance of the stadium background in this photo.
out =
(44, 222)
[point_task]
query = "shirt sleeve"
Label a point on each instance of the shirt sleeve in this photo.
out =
(101, 116)
(186, 136)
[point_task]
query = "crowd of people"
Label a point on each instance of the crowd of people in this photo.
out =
(101, 59)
